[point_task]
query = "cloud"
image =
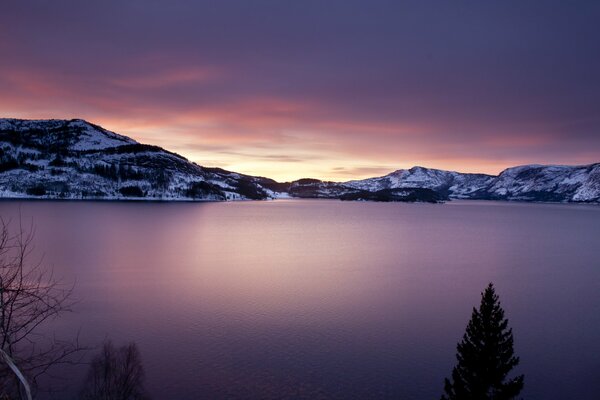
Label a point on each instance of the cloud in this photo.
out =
(169, 78)
(294, 88)
(371, 171)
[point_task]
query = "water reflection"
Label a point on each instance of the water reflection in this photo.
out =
(326, 299)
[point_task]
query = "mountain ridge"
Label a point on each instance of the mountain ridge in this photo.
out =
(76, 159)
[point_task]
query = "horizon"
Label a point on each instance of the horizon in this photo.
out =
(335, 91)
(310, 177)
(276, 199)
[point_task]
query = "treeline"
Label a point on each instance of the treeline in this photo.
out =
(117, 172)
(51, 140)
(9, 161)
(131, 180)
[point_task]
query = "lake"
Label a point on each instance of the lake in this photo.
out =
(319, 299)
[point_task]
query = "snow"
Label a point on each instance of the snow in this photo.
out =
(571, 183)
(281, 195)
(75, 178)
(92, 138)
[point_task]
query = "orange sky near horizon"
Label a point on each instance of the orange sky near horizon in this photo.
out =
(286, 154)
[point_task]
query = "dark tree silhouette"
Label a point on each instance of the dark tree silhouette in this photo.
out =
(115, 374)
(485, 356)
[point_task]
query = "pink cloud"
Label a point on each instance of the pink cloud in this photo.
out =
(268, 134)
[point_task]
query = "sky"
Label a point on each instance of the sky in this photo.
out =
(326, 89)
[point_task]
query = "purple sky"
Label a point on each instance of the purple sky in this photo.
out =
(329, 89)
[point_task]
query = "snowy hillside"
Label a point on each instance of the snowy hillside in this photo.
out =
(453, 184)
(78, 160)
(548, 183)
(314, 188)
(75, 135)
(524, 183)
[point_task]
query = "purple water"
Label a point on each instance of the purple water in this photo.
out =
(310, 299)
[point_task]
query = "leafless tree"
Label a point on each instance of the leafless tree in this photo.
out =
(115, 374)
(30, 295)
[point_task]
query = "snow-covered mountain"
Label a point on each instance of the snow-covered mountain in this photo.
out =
(557, 183)
(74, 159)
(314, 188)
(547, 183)
(453, 184)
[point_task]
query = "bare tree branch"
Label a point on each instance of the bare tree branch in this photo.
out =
(30, 295)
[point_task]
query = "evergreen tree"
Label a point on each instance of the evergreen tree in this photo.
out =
(485, 356)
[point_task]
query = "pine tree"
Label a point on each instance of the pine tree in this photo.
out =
(485, 356)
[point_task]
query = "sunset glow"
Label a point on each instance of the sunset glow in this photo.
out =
(334, 91)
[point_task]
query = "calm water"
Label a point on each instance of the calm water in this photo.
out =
(325, 299)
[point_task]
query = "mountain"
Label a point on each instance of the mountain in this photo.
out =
(556, 183)
(314, 188)
(74, 159)
(452, 184)
(547, 183)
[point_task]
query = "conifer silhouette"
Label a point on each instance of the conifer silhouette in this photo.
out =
(485, 356)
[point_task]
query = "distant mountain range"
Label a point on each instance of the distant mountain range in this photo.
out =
(74, 159)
